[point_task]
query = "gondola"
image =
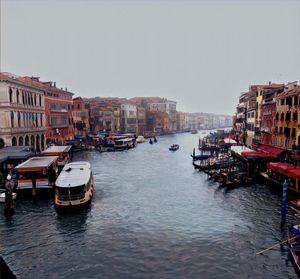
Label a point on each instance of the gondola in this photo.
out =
(200, 157)
(294, 244)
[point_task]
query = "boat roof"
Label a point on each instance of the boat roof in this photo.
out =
(57, 149)
(124, 140)
(15, 153)
(257, 154)
(36, 163)
(270, 149)
(239, 149)
(74, 174)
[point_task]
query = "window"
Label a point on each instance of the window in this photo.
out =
(295, 100)
(10, 95)
(294, 133)
(12, 119)
(34, 99)
(41, 119)
(18, 95)
(19, 119)
(282, 116)
(23, 99)
(277, 116)
(280, 130)
(282, 103)
(40, 99)
(36, 120)
(295, 116)
(288, 116)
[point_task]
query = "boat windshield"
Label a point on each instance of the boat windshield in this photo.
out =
(71, 193)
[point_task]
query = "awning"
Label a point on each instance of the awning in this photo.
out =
(270, 149)
(256, 154)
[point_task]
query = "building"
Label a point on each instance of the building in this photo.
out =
(251, 116)
(141, 120)
(268, 112)
(287, 117)
(157, 122)
(80, 111)
(22, 112)
(182, 122)
(166, 106)
(58, 110)
(128, 118)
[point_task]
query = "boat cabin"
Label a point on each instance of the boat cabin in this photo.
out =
(74, 187)
(124, 143)
(41, 171)
(63, 152)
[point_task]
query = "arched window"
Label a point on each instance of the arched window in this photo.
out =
(40, 99)
(10, 95)
(27, 141)
(23, 99)
(21, 141)
(12, 118)
(19, 119)
(14, 141)
(24, 119)
(34, 99)
(18, 95)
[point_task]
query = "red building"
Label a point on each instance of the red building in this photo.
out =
(58, 111)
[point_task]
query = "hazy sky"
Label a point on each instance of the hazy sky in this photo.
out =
(201, 54)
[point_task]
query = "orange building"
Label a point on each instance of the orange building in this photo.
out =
(157, 121)
(287, 118)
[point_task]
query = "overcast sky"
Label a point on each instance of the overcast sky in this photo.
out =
(201, 54)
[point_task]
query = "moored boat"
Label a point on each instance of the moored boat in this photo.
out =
(140, 139)
(124, 143)
(174, 147)
(74, 188)
(200, 157)
(294, 244)
(194, 132)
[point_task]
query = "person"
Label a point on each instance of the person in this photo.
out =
(9, 187)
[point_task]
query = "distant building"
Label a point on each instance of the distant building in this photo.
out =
(128, 118)
(22, 112)
(80, 111)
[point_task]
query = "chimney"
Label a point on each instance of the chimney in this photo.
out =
(270, 82)
(54, 83)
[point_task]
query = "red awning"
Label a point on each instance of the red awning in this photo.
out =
(270, 149)
(295, 172)
(282, 168)
(256, 154)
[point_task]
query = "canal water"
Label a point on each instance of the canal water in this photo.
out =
(152, 216)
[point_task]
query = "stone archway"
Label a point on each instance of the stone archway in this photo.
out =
(14, 141)
(21, 141)
(32, 141)
(42, 142)
(26, 141)
(37, 143)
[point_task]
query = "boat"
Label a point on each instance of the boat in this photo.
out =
(150, 141)
(278, 172)
(200, 157)
(140, 139)
(294, 244)
(124, 143)
(2, 197)
(154, 139)
(174, 147)
(41, 170)
(194, 132)
(74, 187)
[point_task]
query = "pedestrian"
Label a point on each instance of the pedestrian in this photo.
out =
(9, 187)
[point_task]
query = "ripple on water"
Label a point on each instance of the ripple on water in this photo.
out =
(152, 216)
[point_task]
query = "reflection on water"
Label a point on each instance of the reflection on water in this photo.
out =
(152, 216)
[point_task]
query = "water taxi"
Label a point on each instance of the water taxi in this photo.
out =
(124, 143)
(37, 172)
(63, 153)
(74, 188)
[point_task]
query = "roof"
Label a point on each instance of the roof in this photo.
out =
(270, 149)
(256, 154)
(37, 163)
(57, 149)
(285, 169)
(74, 174)
(239, 149)
(15, 153)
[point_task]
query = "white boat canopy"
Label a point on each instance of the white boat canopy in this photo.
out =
(74, 174)
(37, 163)
(57, 149)
(239, 149)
